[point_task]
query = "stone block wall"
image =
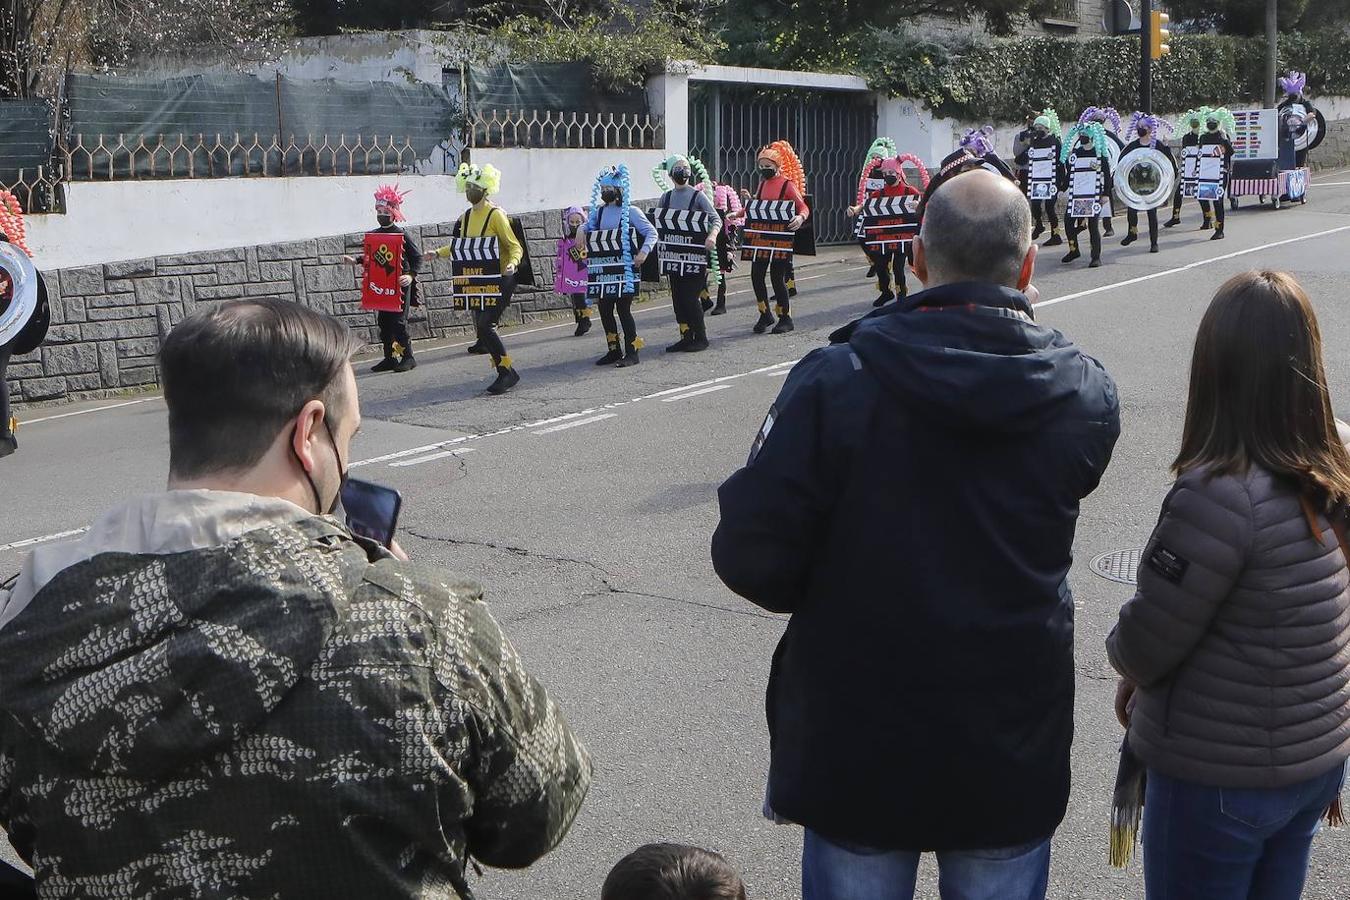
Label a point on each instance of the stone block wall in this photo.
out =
(108, 320)
(1334, 151)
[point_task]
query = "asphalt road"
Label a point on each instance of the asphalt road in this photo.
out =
(585, 500)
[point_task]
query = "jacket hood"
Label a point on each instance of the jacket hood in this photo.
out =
(137, 662)
(970, 356)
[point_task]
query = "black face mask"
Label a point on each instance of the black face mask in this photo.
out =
(474, 195)
(1085, 141)
(680, 176)
(891, 179)
(1143, 134)
(385, 221)
(1213, 126)
(342, 473)
(766, 172)
(609, 196)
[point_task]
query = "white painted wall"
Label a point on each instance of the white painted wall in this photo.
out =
(110, 221)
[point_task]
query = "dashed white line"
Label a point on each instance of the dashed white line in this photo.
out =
(698, 393)
(46, 538)
(576, 424)
(430, 457)
(85, 412)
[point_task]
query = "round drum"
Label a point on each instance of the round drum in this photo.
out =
(1145, 179)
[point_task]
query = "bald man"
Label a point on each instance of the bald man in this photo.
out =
(911, 501)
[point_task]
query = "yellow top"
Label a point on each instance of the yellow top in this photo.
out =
(498, 226)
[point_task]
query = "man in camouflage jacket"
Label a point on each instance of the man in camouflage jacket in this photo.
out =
(218, 693)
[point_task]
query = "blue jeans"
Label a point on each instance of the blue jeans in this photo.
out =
(1207, 843)
(833, 871)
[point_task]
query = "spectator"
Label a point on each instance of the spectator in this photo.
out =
(1235, 651)
(672, 872)
(911, 501)
(219, 691)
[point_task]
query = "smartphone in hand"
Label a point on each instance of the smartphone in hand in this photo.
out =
(372, 510)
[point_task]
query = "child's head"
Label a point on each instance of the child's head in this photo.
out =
(672, 872)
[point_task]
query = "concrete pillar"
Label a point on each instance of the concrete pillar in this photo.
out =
(668, 96)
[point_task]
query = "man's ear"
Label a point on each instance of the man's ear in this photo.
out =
(920, 264)
(304, 433)
(1028, 268)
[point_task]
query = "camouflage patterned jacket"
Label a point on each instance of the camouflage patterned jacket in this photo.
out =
(283, 715)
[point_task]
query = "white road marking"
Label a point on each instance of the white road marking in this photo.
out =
(577, 424)
(1186, 268)
(45, 539)
(698, 393)
(85, 412)
(430, 457)
(778, 373)
(412, 451)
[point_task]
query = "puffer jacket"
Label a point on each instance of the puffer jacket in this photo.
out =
(1239, 636)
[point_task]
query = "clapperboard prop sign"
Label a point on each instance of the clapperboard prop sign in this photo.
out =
(682, 235)
(606, 274)
(1190, 171)
(382, 266)
(476, 273)
(766, 234)
(890, 223)
(1211, 173)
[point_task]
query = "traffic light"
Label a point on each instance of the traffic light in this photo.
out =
(1159, 34)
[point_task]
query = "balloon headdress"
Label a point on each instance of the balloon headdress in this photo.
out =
(1193, 119)
(882, 148)
(1093, 130)
(1154, 124)
(1224, 118)
(700, 178)
(789, 166)
(1049, 119)
(487, 177)
(389, 199)
(11, 222)
(1294, 83)
(1101, 115)
(979, 141)
(897, 164)
(616, 177)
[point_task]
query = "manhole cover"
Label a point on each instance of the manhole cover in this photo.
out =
(1119, 565)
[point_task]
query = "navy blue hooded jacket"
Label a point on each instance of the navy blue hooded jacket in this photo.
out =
(911, 501)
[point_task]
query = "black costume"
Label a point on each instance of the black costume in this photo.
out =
(1214, 210)
(1044, 174)
(1084, 159)
(1191, 139)
(1132, 214)
(393, 326)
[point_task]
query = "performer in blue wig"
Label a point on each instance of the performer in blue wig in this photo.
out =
(1109, 119)
(1087, 178)
(612, 208)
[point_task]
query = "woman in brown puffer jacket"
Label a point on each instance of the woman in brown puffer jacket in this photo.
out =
(1235, 652)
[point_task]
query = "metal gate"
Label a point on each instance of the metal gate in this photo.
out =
(830, 130)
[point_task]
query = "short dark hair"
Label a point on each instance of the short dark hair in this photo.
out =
(981, 239)
(236, 373)
(673, 872)
(1258, 392)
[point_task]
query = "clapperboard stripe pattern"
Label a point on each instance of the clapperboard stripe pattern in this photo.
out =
(765, 233)
(682, 235)
(889, 223)
(606, 275)
(476, 273)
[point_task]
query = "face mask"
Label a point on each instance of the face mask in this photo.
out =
(1042, 130)
(571, 230)
(384, 220)
(766, 172)
(1213, 126)
(342, 473)
(891, 178)
(473, 194)
(1143, 134)
(1085, 141)
(609, 195)
(680, 176)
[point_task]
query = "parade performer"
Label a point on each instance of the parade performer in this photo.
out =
(393, 325)
(612, 209)
(1192, 122)
(781, 178)
(1147, 129)
(1297, 114)
(677, 177)
(869, 182)
(1087, 179)
(485, 219)
(21, 336)
(894, 259)
(1022, 142)
(728, 204)
(1041, 158)
(1216, 167)
(569, 278)
(1109, 119)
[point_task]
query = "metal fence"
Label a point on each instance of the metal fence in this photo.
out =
(556, 130)
(1063, 11)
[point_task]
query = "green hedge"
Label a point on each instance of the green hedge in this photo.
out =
(1001, 80)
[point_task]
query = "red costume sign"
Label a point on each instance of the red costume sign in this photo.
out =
(382, 266)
